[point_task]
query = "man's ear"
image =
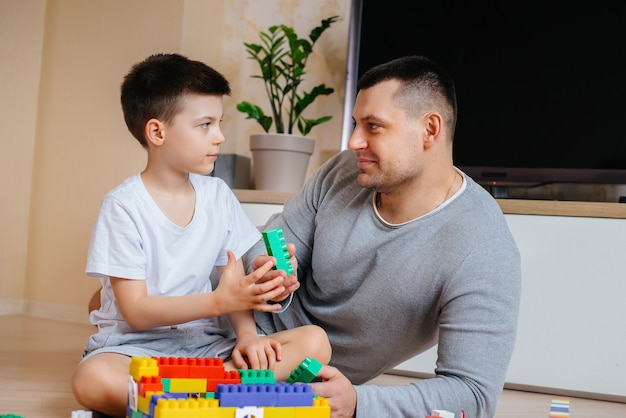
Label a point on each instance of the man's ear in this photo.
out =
(155, 132)
(432, 126)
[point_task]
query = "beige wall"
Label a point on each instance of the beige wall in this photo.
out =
(21, 44)
(63, 142)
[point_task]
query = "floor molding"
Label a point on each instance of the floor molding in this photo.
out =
(529, 388)
(47, 310)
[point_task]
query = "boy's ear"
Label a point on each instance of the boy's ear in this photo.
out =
(155, 132)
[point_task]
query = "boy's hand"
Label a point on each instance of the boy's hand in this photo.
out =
(257, 353)
(291, 283)
(240, 293)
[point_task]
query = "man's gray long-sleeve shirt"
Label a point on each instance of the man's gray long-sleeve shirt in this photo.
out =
(385, 293)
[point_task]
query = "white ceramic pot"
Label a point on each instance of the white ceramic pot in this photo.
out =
(280, 161)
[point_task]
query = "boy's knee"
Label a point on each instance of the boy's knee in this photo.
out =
(80, 386)
(324, 348)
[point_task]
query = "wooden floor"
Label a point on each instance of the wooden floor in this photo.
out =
(37, 357)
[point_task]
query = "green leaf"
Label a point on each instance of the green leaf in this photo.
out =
(256, 113)
(282, 56)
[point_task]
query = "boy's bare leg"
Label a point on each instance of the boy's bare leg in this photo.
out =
(101, 383)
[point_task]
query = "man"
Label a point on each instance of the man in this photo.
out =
(397, 251)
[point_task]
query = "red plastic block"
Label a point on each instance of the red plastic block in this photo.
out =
(209, 368)
(173, 366)
(149, 384)
(228, 377)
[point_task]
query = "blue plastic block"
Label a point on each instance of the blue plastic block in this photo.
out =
(246, 395)
(294, 394)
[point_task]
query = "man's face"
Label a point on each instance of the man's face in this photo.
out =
(388, 142)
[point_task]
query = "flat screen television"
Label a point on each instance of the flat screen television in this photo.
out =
(541, 85)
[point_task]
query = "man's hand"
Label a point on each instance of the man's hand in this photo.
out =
(338, 390)
(291, 283)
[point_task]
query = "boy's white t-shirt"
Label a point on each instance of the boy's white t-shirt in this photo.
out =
(133, 239)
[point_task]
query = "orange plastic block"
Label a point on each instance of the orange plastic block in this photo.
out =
(143, 366)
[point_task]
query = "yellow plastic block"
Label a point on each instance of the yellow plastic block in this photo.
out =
(320, 409)
(143, 402)
(279, 412)
(143, 366)
(187, 385)
(192, 408)
(179, 408)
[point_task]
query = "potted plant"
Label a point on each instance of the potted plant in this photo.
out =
(280, 159)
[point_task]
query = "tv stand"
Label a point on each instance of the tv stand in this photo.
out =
(500, 192)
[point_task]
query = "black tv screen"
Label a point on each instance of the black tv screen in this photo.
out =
(541, 85)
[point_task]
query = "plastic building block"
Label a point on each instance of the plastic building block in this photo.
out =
(211, 368)
(81, 414)
(559, 408)
(176, 385)
(143, 366)
(190, 367)
(246, 395)
(276, 247)
(149, 384)
(281, 394)
(191, 408)
(306, 371)
(228, 377)
(249, 377)
(11, 416)
(294, 395)
(278, 412)
(320, 409)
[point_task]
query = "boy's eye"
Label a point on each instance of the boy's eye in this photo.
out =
(205, 125)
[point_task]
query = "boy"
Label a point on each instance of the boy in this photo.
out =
(158, 236)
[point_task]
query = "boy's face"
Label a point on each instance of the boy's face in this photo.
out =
(192, 141)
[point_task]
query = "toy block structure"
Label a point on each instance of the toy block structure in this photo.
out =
(276, 247)
(173, 387)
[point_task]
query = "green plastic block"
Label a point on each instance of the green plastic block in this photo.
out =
(257, 377)
(306, 371)
(276, 247)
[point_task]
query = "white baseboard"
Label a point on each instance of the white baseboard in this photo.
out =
(48, 310)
